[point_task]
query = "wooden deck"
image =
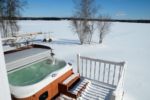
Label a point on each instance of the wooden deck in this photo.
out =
(95, 79)
(93, 91)
(104, 80)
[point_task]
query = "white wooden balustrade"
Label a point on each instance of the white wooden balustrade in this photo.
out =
(103, 71)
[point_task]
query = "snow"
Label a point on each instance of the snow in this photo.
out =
(127, 42)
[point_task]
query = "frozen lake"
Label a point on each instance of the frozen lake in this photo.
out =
(127, 42)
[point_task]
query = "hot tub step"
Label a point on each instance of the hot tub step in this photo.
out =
(68, 83)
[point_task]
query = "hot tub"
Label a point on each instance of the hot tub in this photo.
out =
(39, 79)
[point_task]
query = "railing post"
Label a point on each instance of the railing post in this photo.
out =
(78, 62)
(123, 71)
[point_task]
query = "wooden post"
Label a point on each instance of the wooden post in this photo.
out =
(86, 68)
(95, 70)
(108, 74)
(78, 62)
(99, 74)
(90, 68)
(104, 71)
(123, 71)
(4, 85)
(114, 73)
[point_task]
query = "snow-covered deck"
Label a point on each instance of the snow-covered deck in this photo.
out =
(104, 80)
(94, 91)
(97, 91)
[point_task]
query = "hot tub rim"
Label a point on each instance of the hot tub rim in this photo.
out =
(17, 90)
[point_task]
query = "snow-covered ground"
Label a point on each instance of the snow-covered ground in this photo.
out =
(126, 42)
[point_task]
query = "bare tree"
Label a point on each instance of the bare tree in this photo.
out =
(84, 28)
(103, 27)
(10, 8)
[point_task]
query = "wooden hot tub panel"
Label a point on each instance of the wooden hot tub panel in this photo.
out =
(50, 91)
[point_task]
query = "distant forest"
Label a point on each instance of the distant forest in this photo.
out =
(71, 18)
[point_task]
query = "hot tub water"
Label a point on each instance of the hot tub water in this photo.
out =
(35, 72)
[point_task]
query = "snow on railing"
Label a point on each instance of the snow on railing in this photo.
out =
(119, 92)
(101, 70)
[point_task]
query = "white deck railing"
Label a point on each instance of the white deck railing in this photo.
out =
(108, 72)
(119, 92)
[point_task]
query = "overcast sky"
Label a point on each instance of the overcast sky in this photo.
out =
(123, 9)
